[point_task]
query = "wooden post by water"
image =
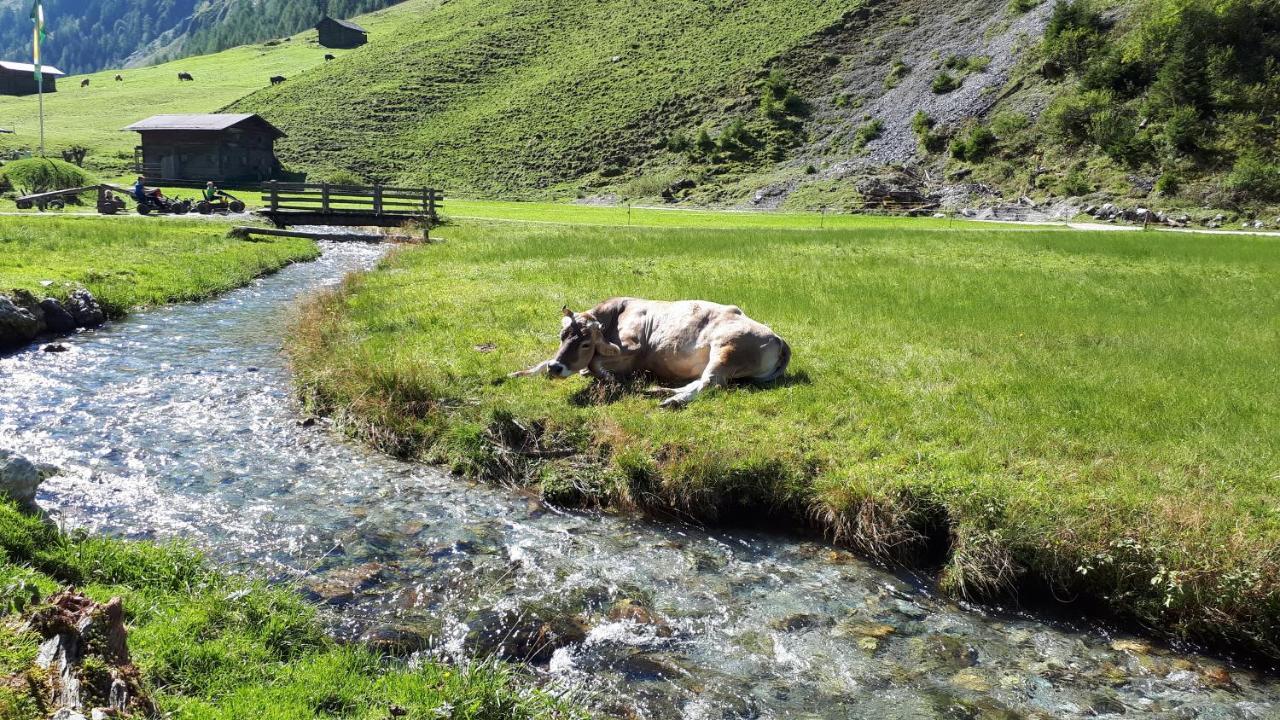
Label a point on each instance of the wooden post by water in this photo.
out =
(324, 197)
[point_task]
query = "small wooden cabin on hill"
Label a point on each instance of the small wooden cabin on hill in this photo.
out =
(20, 78)
(341, 33)
(218, 147)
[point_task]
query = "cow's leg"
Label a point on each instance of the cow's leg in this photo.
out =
(596, 369)
(715, 375)
(540, 367)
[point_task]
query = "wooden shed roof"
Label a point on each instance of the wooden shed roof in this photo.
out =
(29, 68)
(210, 122)
(345, 23)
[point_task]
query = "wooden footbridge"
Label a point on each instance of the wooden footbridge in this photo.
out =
(286, 204)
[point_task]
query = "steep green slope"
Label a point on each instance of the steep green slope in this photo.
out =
(516, 96)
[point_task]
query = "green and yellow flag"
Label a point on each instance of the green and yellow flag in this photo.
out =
(37, 36)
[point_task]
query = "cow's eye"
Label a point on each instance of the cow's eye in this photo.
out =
(585, 344)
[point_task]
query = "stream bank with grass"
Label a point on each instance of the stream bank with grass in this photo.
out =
(60, 274)
(1080, 411)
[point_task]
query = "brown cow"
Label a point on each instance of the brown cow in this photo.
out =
(328, 57)
(185, 76)
(277, 79)
(84, 82)
(119, 78)
(702, 344)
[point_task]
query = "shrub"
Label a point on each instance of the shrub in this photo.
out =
(1072, 35)
(343, 177)
(1168, 184)
(897, 71)
(679, 142)
(37, 175)
(1255, 177)
(974, 144)
(908, 21)
(1069, 116)
(944, 83)
(921, 123)
(1074, 184)
(1021, 6)
(703, 144)
(922, 126)
(1008, 123)
(778, 100)
(1115, 130)
(1183, 129)
(867, 133)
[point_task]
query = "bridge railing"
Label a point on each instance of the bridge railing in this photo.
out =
(332, 199)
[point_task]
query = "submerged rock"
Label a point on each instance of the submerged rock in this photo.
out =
(529, 635)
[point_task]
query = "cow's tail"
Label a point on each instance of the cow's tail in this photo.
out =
(784, 359)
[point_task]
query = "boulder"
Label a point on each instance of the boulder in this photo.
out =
(84, 307)
(56, 317)
(17, 324)
(20, 478)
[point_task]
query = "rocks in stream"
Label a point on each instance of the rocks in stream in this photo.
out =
(85, 655)
(24, 317)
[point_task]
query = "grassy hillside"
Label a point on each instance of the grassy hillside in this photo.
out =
(518, 96)
(1094, 412)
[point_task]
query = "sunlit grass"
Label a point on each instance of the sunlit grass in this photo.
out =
(128, 262)
(1095, 410)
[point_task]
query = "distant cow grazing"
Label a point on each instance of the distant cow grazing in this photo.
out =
(119, 78)
(185, 76)
(277, 79)
(328, 57)
(703, 344)
(84, 82)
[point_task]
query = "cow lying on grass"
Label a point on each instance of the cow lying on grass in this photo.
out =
(704, 344)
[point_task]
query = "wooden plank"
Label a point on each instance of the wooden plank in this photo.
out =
(247, 230)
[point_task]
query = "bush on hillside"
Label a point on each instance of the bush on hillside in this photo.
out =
(1255, 178)
(865, 134)
(1072, 35)
(944, 83)
(37, 175)
(778, 101)
(974, 144)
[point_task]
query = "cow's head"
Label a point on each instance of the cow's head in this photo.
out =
(580, 339)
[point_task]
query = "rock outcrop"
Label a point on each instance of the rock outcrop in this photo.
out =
(24, 317)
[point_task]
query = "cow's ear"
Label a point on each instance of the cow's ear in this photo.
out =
(566, 321)
(567, 312)
(607, 348)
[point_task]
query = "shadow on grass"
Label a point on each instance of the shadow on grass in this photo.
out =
(607, 393)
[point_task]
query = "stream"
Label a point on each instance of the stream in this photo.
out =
(179, 422)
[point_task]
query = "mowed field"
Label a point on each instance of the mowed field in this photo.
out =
(1093, 411)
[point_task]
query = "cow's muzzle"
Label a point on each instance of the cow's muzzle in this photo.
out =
(558, 370)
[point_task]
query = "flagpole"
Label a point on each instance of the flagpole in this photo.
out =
(40, 94)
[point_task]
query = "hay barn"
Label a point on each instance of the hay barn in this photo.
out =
(197, 148)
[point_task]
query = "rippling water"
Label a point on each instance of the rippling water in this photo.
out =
(178, 423)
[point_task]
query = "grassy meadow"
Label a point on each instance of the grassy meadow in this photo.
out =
(1093, 411)
(94, 117)
(215, 646)
(127, 262)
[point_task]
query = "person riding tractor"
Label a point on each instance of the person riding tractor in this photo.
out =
(150, 201)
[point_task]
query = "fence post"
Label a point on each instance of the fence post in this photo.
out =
(377, 199)
(324, 198)
(275, 196)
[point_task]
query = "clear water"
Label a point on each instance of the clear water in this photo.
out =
(179, 423)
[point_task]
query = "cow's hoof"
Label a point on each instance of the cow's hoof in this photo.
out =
(676, 402)
(659, 390)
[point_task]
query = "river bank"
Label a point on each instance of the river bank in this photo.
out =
(58, 274)
(1029, 409)
(179, 422)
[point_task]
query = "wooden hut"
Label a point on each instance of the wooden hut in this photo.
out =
(198, 148)
(341, 33)
(20, 78)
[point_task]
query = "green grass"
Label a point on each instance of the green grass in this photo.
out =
(127, 262)
(1095, 411)
(511, 99)
(211, 645)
